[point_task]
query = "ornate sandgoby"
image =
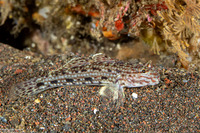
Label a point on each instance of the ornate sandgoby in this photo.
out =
(97, 70)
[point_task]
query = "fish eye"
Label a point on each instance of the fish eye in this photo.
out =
(143, 71)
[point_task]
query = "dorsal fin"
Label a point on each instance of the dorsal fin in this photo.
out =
(78, 61)
(100, 57)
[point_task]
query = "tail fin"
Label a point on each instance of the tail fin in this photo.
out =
(26, 88)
